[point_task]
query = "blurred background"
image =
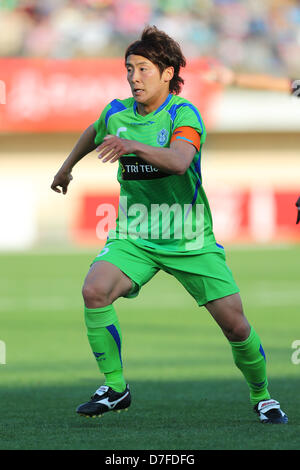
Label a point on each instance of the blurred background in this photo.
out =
(62, 61)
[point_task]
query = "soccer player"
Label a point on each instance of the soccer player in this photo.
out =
(164, 221)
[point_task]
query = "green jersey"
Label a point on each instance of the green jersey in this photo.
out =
(160, 211)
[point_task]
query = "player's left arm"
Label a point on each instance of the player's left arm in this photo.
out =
(175, 159)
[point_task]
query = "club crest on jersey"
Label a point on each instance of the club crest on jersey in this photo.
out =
(162, 137)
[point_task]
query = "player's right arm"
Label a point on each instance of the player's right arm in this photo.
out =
(84, 145)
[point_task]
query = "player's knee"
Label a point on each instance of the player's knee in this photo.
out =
(95, 296)
(239, 330)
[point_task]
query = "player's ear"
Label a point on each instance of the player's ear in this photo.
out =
(168, 74)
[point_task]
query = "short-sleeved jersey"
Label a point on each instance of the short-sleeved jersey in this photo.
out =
(160, 211)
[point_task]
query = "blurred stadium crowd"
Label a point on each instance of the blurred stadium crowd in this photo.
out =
(248, 35)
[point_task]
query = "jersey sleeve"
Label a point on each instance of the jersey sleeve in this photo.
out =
(100, 126)
(187, 115)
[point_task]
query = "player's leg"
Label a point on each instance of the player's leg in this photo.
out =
(105, 283)
(228, 313)
(119, 270)
(246, 346)
(248, 355)
(209, 280)
(211, 283)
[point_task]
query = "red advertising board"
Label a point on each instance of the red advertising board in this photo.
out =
(239, 216)
(47, 95)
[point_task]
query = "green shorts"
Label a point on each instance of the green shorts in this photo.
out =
(205, 276)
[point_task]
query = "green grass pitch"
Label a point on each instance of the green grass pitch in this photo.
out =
(187, 394)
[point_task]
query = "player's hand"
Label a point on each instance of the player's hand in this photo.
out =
(112, 148)
(61, 179)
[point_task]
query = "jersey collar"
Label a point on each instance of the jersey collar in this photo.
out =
(162, 106)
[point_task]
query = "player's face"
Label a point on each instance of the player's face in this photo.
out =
(149, 87)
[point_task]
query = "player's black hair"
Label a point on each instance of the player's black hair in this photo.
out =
(161, 50)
